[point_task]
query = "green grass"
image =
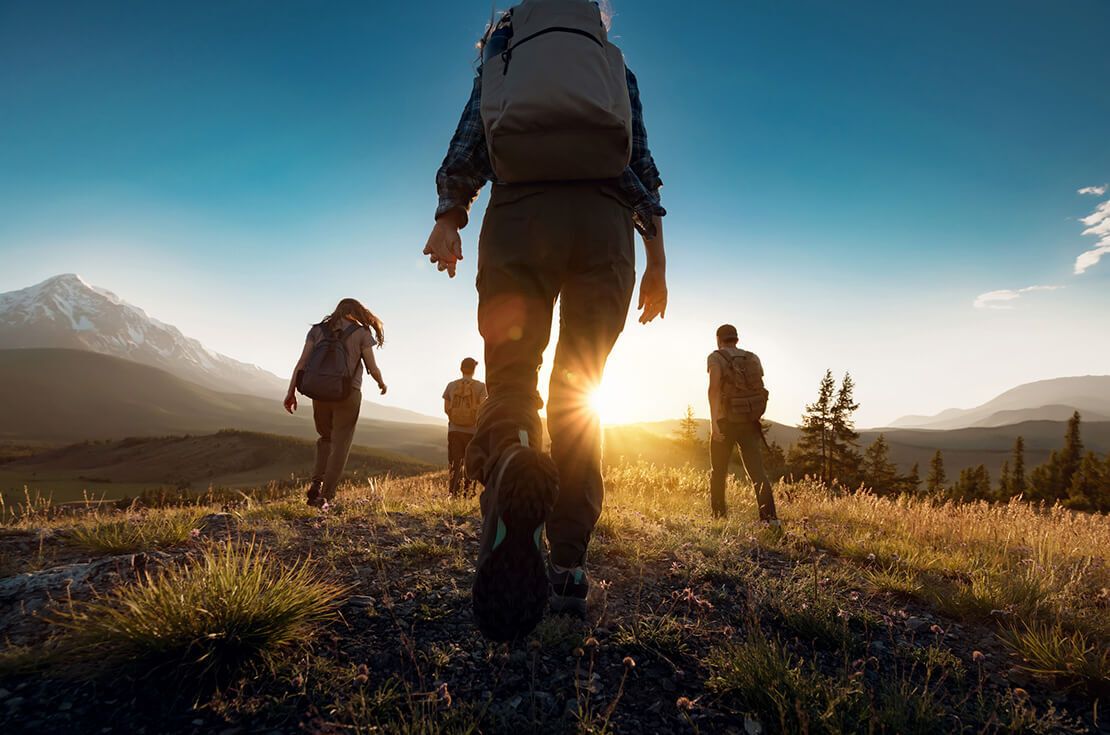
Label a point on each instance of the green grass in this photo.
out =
(1071, 656)
(135, 532)
(232, 606)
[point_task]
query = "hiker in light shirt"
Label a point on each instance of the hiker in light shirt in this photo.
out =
(461, 400)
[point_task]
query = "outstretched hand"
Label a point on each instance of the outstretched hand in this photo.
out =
(653, 294)
(444, 246)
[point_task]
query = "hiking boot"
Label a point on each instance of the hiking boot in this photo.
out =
(315, 499)
(510, 586)
(569, 588)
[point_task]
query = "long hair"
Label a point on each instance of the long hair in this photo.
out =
(354, 309)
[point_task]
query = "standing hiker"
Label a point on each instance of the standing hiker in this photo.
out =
(461, 399)
(737, 401)
(328, 373)
(554, 121)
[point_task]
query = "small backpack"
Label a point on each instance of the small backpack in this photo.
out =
(745, 397)
(555, 103)
(326, 376)
(464, 404)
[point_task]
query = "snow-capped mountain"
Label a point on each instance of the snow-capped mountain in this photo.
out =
(66, 312)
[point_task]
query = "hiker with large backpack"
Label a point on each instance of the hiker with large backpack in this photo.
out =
(737, 401)
(554, 121)
(461, 399)
(328, 373)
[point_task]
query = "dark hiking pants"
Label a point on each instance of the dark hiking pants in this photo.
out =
(335, 423)
(457, 442)
(539, 242)
(749, 438)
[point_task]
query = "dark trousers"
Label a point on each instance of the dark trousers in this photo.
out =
(540, 242)
(335, 423)
(749, 438)
(457, 441)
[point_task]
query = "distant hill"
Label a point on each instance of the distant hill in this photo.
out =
(1052, 400)
(64, 396)
(228, 459)
(66, 312)
(990, 446)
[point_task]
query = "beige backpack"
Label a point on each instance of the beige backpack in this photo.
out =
(555, 102)
(464, 404)
(745, 396)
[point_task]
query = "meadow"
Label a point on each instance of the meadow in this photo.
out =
(258, 614)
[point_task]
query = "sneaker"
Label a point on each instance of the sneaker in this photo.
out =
(569, 588)
(315, 499)
(510, 587)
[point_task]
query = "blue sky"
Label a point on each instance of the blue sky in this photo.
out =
(844, 180)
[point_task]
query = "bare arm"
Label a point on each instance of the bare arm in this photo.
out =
(714, 395)
(372, 367)
(653, 285)
(290, 401)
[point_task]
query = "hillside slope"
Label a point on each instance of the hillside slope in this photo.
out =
(66, 396)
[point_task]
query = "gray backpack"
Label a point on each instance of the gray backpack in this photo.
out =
(555, 102)
(326, 376)
(745, 396)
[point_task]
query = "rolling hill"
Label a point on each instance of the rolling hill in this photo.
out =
(1052, 400)
(65, 312)
(227, 459)
(64, 396)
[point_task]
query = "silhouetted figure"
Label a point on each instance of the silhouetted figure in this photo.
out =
(328, 373)
(737, 401)
(461, 401)
(554, 121)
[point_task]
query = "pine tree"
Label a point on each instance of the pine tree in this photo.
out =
(844, 445)
(1017, 477)
(1090, 486)
(911, 483)
(973, 484)
(688, 430)
(936, 480)
(1004, 480)
(878, 472)
(812, 452)
(1072, 453)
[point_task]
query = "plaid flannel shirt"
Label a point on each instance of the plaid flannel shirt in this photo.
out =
(467, 168)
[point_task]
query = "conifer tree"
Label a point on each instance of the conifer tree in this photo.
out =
(937, 479)
(688, 429)
(844, 447)
(911, 483)
(1090, 486)
(973, 484)
(1004, 480)
(812, 451)
(1017, 476)
(878, 472)
(1072, 453)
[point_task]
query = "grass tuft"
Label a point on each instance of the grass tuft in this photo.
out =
(135, 532)
(1074, 657)
(232, 606)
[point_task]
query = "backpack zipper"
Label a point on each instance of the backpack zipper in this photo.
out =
(507, 54)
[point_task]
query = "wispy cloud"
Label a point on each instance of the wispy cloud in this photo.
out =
(1098, 225)
(1093, 190)
(1004, 298)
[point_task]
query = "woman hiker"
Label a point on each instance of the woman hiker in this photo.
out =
(328, 373)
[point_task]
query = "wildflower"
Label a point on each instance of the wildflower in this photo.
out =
(362, 674)
(978, 657)
(591, 642)
(534, 644)
(685, 704)
(1020, 693)
(853, 596)
(629, 662)
(298, 681)
(936, 629)
(578, 652)
(870, 557)
(195, 533)
(443, 694)
(325, 507)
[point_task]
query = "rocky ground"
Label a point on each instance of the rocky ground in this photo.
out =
(740, 633)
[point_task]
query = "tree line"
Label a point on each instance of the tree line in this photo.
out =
(829, 450)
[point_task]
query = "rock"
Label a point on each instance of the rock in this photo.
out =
(217, 525)
(15, 702)
(4, 694)
(752, 727)
(915, 624)
(23, 596)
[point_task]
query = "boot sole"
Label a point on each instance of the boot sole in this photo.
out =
(510, 590)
